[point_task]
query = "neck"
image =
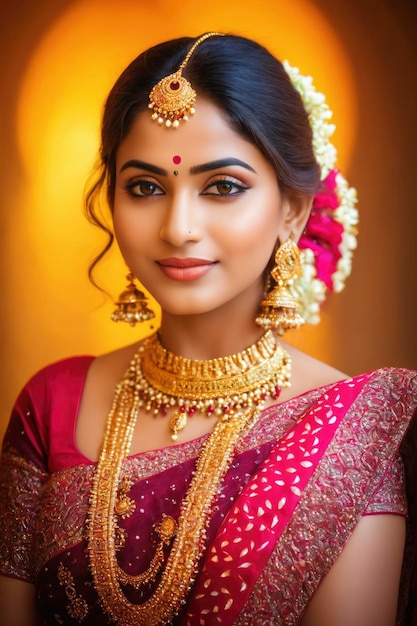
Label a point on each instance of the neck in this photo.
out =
(205, 337)
(221, 332)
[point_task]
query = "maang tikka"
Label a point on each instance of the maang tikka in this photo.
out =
(132, 306)
(279, 307)
(172, 99)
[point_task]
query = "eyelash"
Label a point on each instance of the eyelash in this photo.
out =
(131, 185)
(230, 183)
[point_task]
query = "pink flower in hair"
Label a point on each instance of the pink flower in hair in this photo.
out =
(323, 234)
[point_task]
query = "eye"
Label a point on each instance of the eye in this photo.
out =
(224, 187)
(143, 188)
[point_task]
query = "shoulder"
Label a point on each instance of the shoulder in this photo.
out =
(62, 367)
(309, 373)
(379, 407)
(389, 394)
(65, 380)
(50, 396)
(52, 385)
(391, 386)
(104, 374)
(108, 369)
(64, 371)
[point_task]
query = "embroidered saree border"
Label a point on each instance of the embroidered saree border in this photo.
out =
(20, 482)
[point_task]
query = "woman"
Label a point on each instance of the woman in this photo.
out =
(209, 474)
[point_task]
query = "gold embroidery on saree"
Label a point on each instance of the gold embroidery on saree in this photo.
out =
(77, 607)
(20, 485)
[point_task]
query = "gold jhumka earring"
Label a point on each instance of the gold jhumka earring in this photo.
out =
(132, 306)
(279, 307)
(172, 99)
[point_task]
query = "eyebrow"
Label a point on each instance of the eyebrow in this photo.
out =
(214, 165)
(196, 169)
(142, 165)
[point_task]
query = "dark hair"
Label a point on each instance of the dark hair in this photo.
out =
(244, 80)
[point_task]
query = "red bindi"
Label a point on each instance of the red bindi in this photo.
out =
(176, 159)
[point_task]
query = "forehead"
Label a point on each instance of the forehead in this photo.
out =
(206, 136)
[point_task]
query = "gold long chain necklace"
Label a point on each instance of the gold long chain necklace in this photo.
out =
(244, 381)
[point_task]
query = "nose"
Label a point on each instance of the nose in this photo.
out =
(180, 221)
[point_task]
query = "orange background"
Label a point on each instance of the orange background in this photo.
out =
(59, 58)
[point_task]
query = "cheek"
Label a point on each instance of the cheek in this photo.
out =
(256, 229)
(123, 235)
(130, 229)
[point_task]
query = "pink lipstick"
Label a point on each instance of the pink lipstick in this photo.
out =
(185, 269)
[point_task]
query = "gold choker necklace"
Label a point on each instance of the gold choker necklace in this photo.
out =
(217, 387)
(245, 381)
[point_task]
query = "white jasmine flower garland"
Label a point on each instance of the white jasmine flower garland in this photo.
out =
(329, 239)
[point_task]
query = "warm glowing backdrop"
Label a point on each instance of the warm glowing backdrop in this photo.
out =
(58, 62)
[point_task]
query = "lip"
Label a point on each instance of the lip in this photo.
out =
(184, 270)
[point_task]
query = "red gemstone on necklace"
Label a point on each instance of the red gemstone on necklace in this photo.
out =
(277, 392)
(174, 85)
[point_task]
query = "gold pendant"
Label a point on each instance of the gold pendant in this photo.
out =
(167, 528)
(177, 423)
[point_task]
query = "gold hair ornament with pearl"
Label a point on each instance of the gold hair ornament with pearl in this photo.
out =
(172, 99)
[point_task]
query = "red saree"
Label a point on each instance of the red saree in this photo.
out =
(300, 481)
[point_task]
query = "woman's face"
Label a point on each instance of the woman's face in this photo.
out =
(197, 212)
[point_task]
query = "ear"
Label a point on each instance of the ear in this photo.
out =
(296, 211)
